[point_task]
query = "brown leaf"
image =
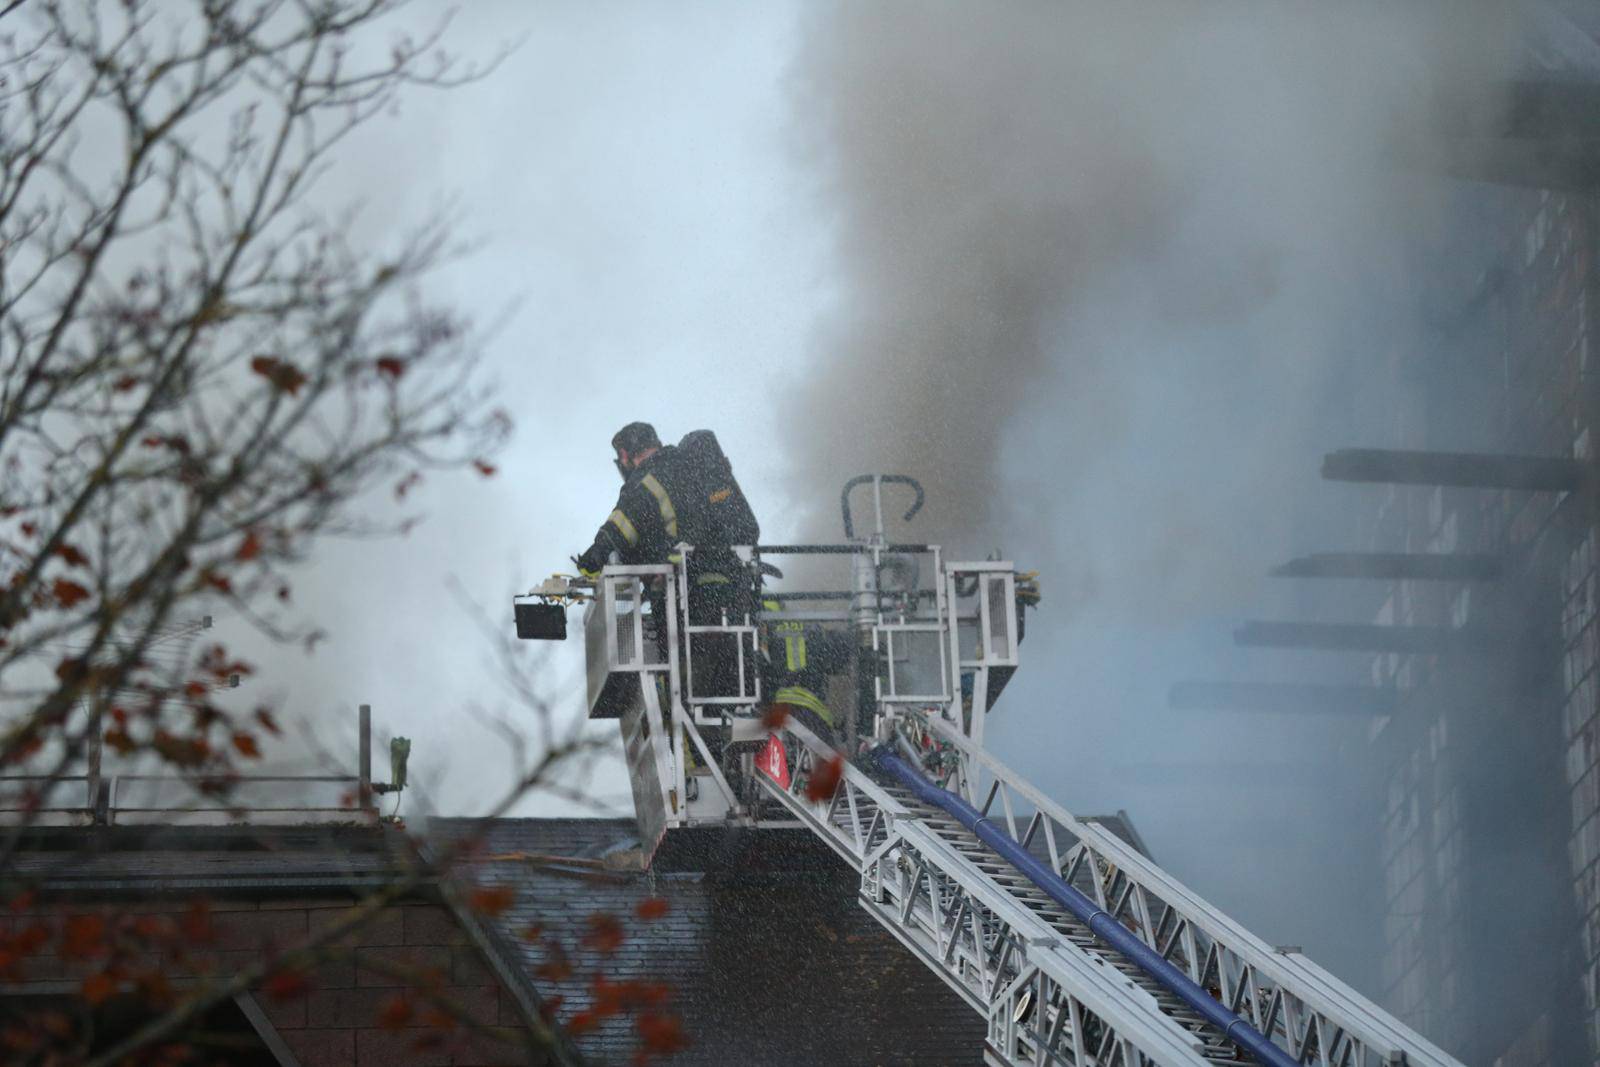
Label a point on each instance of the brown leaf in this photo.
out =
(605, 934)
(84, 937)
(390, 367)
(484, 467)
(406, 484)
(72, 556)
(219, 582)
(125, 383)
(287, 985)
(281, 373)
(250, 547)
(824, 780)
(395, 1012)
(68, 594)
(661, 1034)
(652, 908)
(196, 922)
(246, 744)
(268, 723)
(492, 899)
(97, 988)
(118, 739)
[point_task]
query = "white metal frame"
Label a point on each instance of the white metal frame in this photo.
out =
(1301, 1007)
(1046, 999)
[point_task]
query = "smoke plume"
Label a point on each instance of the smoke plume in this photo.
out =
(1099, 265)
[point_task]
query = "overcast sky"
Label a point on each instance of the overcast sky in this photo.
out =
(1114, 284)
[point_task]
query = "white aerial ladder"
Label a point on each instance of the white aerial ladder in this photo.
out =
(1073, 945)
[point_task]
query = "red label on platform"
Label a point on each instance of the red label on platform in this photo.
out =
(773, 762)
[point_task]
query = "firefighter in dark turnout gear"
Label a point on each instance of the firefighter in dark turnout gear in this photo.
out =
(799, 657)
(682, 494)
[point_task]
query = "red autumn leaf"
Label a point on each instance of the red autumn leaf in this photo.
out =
(484, 467)
(492, 899)
(97, 988)
(532, 932)
(283, 593)
(605, 934)
(73, 557)
(126, 382)
(282, 374)
(119, 740)
(219, 582)
(83, 937)
(661, 1034)
(652, 908)
(390, 367)
(268, 723)
(68, 594)
(250, 547)
(395, 1012)
(287, 985)
(824, 780)
(582, 1022)
(194, 689)
(776, 717)
(246, 744)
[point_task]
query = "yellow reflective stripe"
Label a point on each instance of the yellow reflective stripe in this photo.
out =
(669, 514)
(624, 526)
(801, 697)
(712, 579)
(794, 650)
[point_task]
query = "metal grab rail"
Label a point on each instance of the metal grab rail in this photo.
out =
(1319, 1013)
(1098, 920)
(1046, 999)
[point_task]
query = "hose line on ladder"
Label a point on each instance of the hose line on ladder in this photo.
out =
(1100, 922)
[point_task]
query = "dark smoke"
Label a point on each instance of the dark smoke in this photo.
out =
(1099, 256)
(1109, 278)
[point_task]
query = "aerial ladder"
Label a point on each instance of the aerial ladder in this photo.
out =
(1070, 942)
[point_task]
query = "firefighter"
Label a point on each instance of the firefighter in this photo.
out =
(799, 658)
(683, 494)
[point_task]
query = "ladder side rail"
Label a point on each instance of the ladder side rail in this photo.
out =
(908, 872)
(1336, 1006)
(1104, 924)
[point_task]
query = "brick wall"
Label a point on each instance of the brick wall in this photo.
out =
(1490, 769)
(346, 1016)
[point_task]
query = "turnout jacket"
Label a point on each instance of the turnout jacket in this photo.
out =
(679, 494)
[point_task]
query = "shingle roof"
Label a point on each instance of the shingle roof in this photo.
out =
(768, 956)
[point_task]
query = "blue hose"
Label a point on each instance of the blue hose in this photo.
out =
(1100, 921)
